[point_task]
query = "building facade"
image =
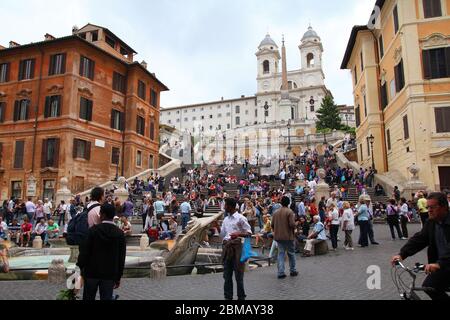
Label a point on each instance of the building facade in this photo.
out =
(401, 85)
(75, 107)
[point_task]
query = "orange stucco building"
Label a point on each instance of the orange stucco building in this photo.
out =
(76, 107)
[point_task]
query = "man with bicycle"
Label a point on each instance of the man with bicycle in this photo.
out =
(435, 235)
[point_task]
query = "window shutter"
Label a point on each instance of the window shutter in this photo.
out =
(59, 105)
(81, 65)
(18, 159)
(27, 109)
(89, 109)
(8, 69)
(447, 60)
(44, 153)
(47, 107)
(1, 153)
(91, 69)
(439, 115)
(56, 155)
(88, 150)
(397, 78)
(427, 8)
(3, 111)
(426, 60)
(112, 119)
(51, 65)
(122, 121)
(33, 61)
(16, 110)
(74, 149)
(63, 63)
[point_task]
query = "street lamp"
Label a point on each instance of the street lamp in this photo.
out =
(289, 135)
(257, 158)
(266, 111)
(371, 140)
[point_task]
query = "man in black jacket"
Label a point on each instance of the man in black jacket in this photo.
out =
(435, 235)
(102, 257)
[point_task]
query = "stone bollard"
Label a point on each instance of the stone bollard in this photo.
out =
(74, 252)
(144, 242)
(158, 269)
(57, 271)
(37, 242)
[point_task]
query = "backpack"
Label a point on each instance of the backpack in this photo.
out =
(78, 227)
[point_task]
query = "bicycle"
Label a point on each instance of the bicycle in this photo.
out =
(408, 292)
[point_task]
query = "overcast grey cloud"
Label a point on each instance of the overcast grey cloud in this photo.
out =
(204, 49)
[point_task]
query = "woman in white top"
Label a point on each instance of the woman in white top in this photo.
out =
(334, 227)
(404, 217)
(348, 225)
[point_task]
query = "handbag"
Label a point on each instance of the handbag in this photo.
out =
(247, 252)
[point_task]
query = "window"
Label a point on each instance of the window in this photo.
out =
(202, 117)
(49, 189)
(228, 126)
(266, 66)
(4, 72)
(357, 116)
(26, 69)
(57, 64)
(219, 127)
(169, 121)
(87, 67)
(152, 130)
(18, 154)
(2, 111)
(361, 152)
(219, 115)
(154, 98)
(246, 112)
(384, 98)
(21, 108)
(110, 41)
(356, 75)
(362, 61)
(123, 51)
(228, 114)
(94, 36)
(194, 118)
(86, 109)
(81, 149)
(432, 8)
(52, 107)
(399, 76)
(115, 156)
(311, 107)
(442, 116)
(436, 63)
(118, 82)
(256, 113)
(405, 128)
(395, 15)
(151, 162)
(50, 153)
(238, 109)
(82, 35)
(16, 187)
(210, 116)
(139, 158)
(140, 125)
(388, 137)
(238, 120)
(310, 60)
(365, 106)
(381, 45)
(141, 89)
(117, 120)
(186, 120)
(210, 128)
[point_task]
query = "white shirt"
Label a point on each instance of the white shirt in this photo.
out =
(48, 207)
(335, 217)
(234, 223)
(312, 184)
(31, 207)
(282, 175)
(350, 218)
(3, 227)
(404, 210)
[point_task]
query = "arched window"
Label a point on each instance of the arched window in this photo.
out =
(266, 66)
(310, 60)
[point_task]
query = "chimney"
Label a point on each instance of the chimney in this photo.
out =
(144, 64)
(13, 44)
(222, 98)
(243, 96)
(48, 37)
(75, 29)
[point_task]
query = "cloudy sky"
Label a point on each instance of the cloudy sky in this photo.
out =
(201, 49)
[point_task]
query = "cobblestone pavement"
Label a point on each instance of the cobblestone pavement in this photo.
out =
(340, 275)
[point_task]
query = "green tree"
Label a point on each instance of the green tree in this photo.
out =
(328, 115)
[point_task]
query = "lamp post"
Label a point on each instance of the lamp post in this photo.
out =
(346, 119)
(371, 140)
(306, 112)
(116, 157)
(257, 158)
(325, 138)
(289, 135)
(266, 111)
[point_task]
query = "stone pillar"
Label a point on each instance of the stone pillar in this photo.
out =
(121, 192)
(37, 242)
(322, 189)
(63, 193)
(57, 272)
(413, 185)
(158, 269)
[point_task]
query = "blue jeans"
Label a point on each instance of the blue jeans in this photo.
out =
(185, 217)
(283, 246)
